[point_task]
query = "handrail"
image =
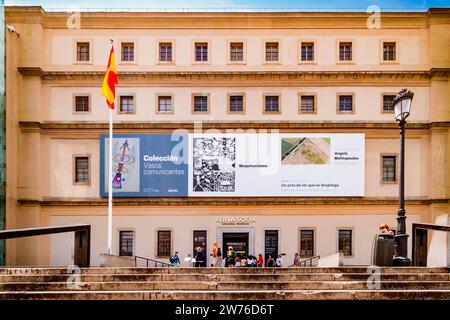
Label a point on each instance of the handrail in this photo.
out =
(424, 226)
(304, 263)
(82, 239)
(148, 262)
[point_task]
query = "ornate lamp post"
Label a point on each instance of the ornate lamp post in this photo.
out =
(402, 106)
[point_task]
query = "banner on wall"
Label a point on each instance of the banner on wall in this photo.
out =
(300, 164)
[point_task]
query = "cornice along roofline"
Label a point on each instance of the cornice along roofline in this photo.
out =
(215, 20)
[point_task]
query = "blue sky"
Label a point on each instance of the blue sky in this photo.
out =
(353, 5)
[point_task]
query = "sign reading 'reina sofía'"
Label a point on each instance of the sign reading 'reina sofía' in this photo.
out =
(235, 220)
(300, 164)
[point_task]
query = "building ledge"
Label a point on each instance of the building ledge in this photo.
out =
(50, 126)
(288, 76)
(229, 201)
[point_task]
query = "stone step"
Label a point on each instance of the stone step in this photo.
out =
(236, 286)
(232, 295)
(229, 277)
(95, 270)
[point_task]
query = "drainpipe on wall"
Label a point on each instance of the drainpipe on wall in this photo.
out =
(2, 134)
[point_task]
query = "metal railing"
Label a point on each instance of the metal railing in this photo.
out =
(420, 241)
(311, 262)
(142, 262)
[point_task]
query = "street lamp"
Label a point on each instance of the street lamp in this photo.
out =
(402, 106)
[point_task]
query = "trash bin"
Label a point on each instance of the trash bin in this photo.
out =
(383, 249)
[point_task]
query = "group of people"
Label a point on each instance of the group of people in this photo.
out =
(232, 260)
(199, 259)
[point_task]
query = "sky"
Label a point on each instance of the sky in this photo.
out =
(250, 5)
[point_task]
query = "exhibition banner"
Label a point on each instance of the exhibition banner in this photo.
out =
(276, 164)
(145, 165)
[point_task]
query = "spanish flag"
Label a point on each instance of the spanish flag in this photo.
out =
(110, 80)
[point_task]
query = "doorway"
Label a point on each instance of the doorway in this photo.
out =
(200, 241)
(238, 240)
(421, 247)
(270, 244)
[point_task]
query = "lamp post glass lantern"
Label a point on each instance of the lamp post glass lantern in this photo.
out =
(402, 106)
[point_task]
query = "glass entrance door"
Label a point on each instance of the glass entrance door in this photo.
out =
(239, 242)
(200, 241)
(270, 244)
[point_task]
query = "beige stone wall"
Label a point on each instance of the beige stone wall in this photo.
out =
(367, 48)
(367, 104)
(145, 221)
(42, 79)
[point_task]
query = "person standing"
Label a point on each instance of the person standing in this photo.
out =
(260, 261)
(270, 262)
(199, 258)
(230, 257)
(214, 254)
(219, 258)
(175, 260)
(296, 260)
(279, 261)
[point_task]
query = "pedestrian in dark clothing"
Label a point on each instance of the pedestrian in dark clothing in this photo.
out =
(199, 258)
(270, 262)
(219, 258)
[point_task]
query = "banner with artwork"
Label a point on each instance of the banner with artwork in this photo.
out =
(145, 165)
(294, 164)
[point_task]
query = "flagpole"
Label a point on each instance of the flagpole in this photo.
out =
(109, 92)
(110, 181)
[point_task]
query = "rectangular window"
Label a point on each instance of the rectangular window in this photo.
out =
(389, 51)
(345, 241)
(165, 104)
(272, 51)
(83, 51)
(388, 105)
(126, 239)
(307, 104)
(201, 51)
(345, 51)
(307, 51)
(306, 243)
(82, 104)
(236, 51)
(272, 104)
(345, 103)
(201, 103)
(236, 103)
(164, 243)
(126, 104)
(128, 51)
(82, 170)
(389, 169)
(165, 52)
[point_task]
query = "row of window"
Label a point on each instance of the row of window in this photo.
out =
(81, 173)
(236, 52)
(236, 103)
(307, 239)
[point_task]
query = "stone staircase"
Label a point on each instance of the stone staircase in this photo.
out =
(343, 283)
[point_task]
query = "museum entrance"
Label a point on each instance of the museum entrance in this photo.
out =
(238, 240)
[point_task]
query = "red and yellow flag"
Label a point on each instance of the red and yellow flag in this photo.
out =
(110, 80)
